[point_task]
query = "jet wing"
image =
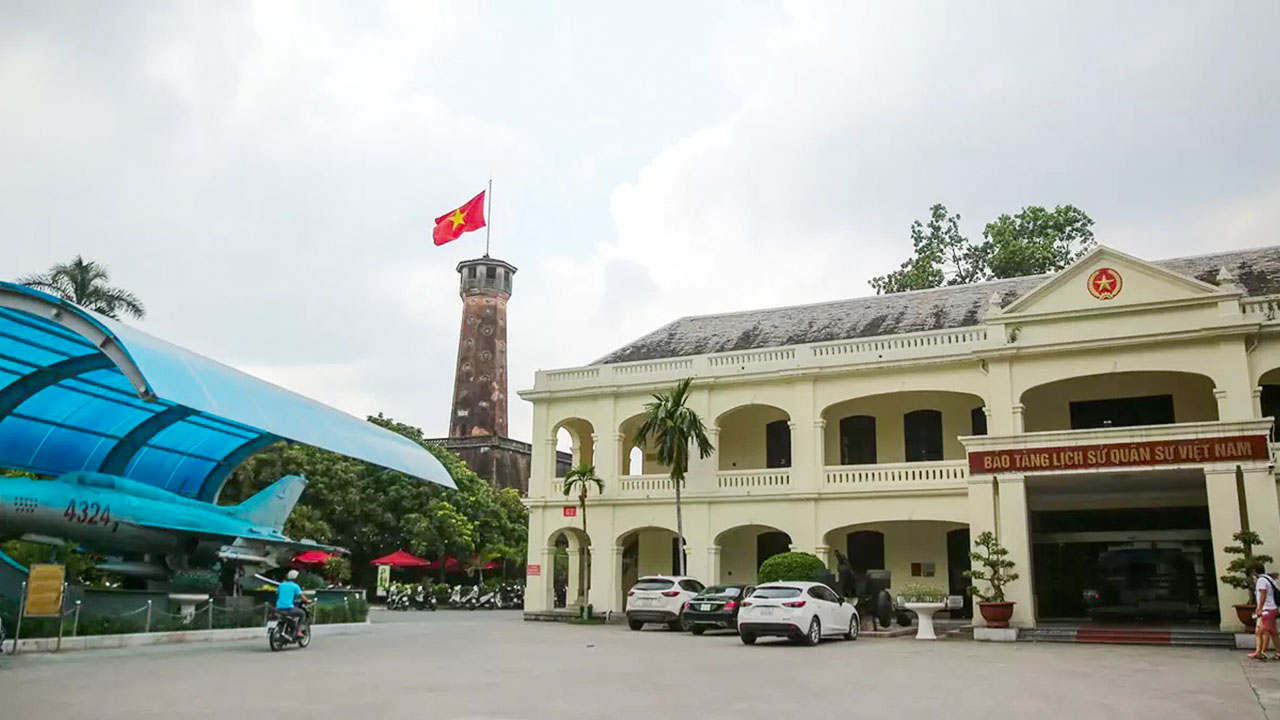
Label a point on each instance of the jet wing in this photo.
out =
(203, 533)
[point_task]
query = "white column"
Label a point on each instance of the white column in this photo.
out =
(543, 584)
(1224, 521)
(1018, 424)
(713, 565)
(1015, 536)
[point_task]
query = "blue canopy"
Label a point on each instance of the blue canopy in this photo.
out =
(79, 391)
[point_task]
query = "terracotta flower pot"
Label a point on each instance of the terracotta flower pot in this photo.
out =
(1245, 614)
(996, 614)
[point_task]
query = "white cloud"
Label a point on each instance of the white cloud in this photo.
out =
(264, 174)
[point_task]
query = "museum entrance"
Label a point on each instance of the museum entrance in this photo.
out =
(1123, 548)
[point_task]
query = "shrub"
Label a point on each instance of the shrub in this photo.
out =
(194, 581)
(794, 566)
(1238, 571)
(998, 571)
(309, 580)
(442, 592)
(338, 570)
(922, 592)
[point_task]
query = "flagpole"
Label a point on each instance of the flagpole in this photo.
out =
(488, 217)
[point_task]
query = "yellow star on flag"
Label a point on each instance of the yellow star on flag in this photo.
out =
(458, 218)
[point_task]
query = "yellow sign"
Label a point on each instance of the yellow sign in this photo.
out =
(44, 591)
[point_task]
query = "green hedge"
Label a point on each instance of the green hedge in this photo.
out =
(790, 566)
(355, 610)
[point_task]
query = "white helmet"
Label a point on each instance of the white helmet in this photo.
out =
(293, 575)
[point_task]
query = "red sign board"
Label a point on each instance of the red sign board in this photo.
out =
(570, 511)
(535, 569)
(1159, 452)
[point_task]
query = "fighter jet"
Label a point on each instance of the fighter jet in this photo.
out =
(116, 516)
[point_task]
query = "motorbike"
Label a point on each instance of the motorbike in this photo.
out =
(284, 630)
(398, 597)
(485, 599)
(423, 599)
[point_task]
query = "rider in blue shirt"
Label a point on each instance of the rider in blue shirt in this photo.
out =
(288, 593)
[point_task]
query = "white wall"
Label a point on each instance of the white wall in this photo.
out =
(888, 411)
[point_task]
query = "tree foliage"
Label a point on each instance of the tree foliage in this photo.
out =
(998, 568)
(1033, 241)
(1238, 570)
(372, 511)
(793, 566)
(672, 426)
(85, 283)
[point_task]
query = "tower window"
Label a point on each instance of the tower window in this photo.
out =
(491, 272)
(471, 273)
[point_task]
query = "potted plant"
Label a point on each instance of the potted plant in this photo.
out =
(924, 600)
(996, 573)
(1238, 571)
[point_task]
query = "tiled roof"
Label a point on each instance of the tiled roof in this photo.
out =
(1256, 271)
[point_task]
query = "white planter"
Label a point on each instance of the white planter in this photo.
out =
(187, 603)
(924, 613)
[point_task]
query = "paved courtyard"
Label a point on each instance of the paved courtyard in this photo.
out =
(453, 665)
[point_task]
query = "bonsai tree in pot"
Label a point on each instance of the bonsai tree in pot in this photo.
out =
(1238, 571)
(996, 572)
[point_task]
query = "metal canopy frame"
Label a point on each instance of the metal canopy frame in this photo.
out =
(79, 391)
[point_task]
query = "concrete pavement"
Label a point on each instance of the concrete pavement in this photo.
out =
(491, 665)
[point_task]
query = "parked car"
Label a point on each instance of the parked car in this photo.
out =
(660, 599)
(715, 607)
(806, 612)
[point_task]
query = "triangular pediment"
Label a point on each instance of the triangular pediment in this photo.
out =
(1107, 278)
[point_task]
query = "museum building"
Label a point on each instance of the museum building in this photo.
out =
(1111, 423)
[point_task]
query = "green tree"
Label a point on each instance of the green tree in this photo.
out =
(1032, 242)
(84, 283)
(440, 532)
(372, 511)
(581, 479)
(942, 256)
(1035, 241)
(998, 570)
(672, 427)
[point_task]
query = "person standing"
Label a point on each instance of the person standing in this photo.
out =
(1265, 610)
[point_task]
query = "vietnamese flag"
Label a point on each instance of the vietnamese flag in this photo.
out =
(452, 224)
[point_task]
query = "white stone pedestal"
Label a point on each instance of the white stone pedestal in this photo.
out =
(924, 614)
(1246, 641)
(989, 634)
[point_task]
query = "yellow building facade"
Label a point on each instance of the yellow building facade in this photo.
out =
(1110, 423)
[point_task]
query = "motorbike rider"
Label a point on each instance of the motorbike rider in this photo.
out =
(288, 595)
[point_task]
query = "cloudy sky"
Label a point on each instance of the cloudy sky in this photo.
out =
(264, 174)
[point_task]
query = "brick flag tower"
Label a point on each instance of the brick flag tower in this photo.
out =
(480, 379)
(478, 420)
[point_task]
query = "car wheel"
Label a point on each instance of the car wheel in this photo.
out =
(635, 624)
(679, 624)
(697, 629)
(854, 627)
(814, 636)
(747, 638)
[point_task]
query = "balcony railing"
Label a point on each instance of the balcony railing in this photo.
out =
(645, 484)
(749, 480)
(793, 357)
(852, 476)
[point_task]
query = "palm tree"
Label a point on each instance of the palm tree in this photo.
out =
(672, 427)
(582, 478)
(85, 284)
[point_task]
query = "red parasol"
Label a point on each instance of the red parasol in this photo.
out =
(401, 558)
(313, 557)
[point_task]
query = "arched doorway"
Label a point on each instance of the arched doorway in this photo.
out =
(742, 549)
(570, 568)
(646, 551)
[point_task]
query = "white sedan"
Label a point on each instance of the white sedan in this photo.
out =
(803, 611)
